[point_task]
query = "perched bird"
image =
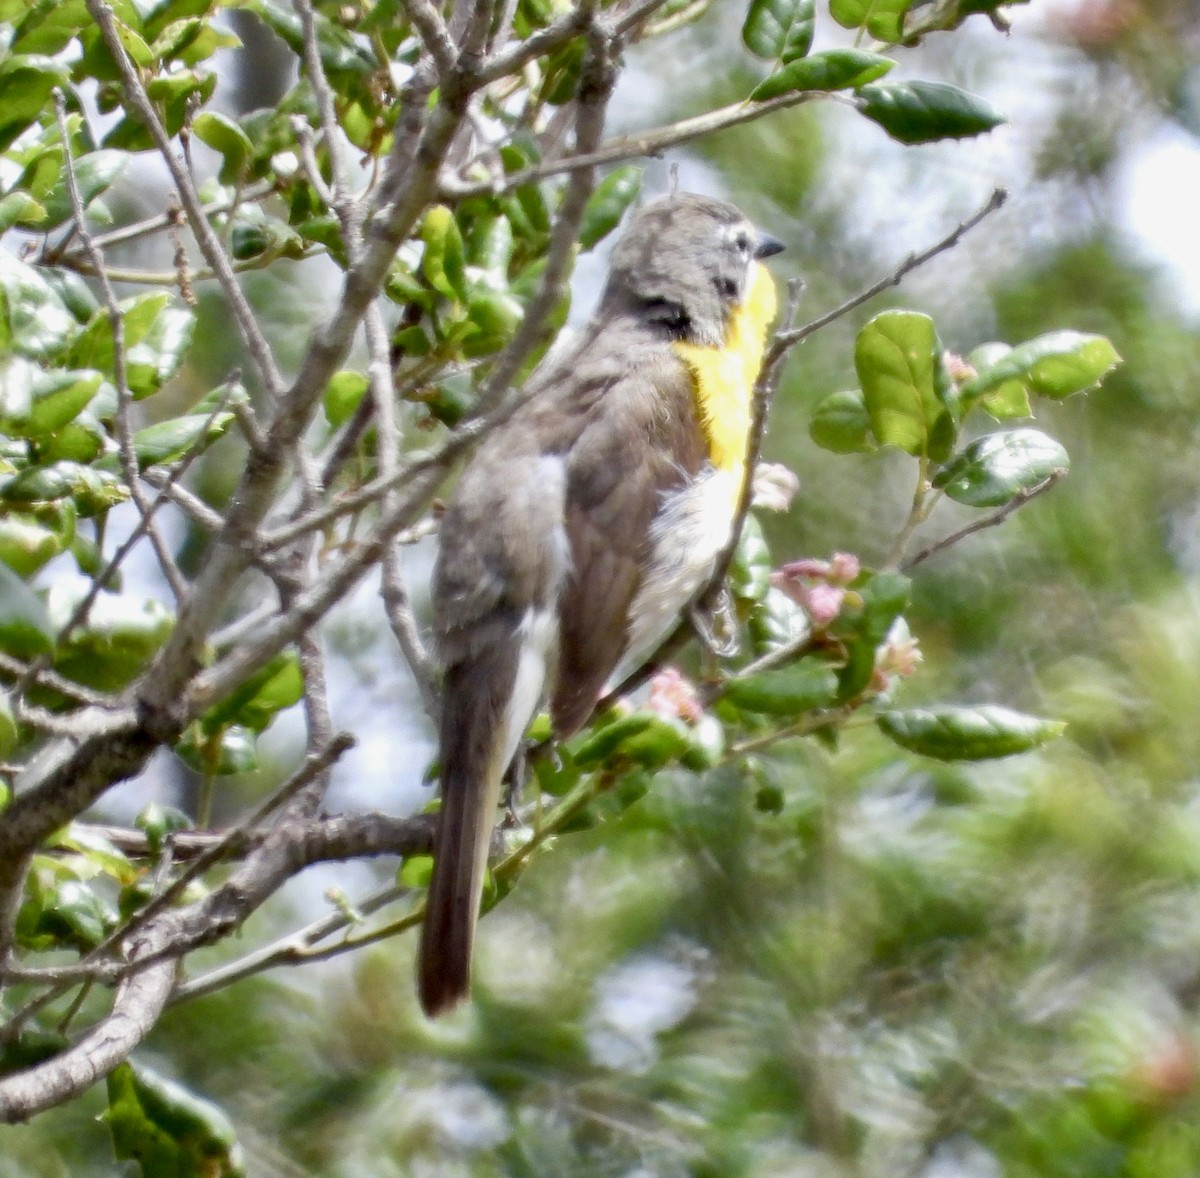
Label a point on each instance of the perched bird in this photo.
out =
(586, 523)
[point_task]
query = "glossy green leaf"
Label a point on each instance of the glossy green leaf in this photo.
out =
(601, 746)
(228, 140)
(78, 915)
(340, 51)
(94, 346)
(26, 83)
(54, 399)
(19, 208)
(343, 395)
(92, 490)
(33, 320)
(906, 389)
(864, 623)
(967, 734)
(787, 691)
(169, 1131)
(831, 69)
(750, 568)
(1055, 365)
(444, 260)
(158, 821)
(154, 360)
(995, 469)
(25, 626)
(921, 112)
(256, 702)
(221, 753)
(169, 441)
(840, 423)
(27, 543)
(121, 635)
(779, 30)
(47, 26)
(609, 203)
(882, 19)
(95, 173)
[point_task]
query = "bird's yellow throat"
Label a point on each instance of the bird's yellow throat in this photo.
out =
(725, 376)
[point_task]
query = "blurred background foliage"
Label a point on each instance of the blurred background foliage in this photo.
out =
(844, 962)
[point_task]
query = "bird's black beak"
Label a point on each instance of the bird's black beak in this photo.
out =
(768, 246)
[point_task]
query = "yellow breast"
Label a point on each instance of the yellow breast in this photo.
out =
(724, 377)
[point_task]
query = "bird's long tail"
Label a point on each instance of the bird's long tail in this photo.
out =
(476, 700)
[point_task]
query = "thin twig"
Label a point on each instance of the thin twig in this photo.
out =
(287, 950)
(642, 143)
(990, 521)
(210, 246)
(124, 424)
(913, 262)
(595, 89)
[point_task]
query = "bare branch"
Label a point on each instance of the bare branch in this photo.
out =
(595, 89)
(989, 521)
(206, 238)
(124, 424)
(643, 143)
(138, 1003)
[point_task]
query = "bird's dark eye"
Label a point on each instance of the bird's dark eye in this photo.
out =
(742, 241)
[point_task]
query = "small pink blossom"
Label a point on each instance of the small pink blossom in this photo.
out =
(675, 697)
(823, 603)
(818, 586)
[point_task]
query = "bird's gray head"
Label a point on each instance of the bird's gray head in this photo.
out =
(683, 264)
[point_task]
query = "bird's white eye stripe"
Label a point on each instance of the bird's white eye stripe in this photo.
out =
(739, 235)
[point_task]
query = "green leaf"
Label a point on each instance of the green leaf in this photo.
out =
(863, 625)
(168, 1130)
(831, 69)
(608, 204)
(883, 19)
(920, 112)
(905, 385)
(788, 691)
(33, 320)
(255, 703)
(25, 627)
(228, 140)
(19, 208)
(92, 490)
(750, 568)
(121, 635)
(779, 30)
(27, 543)
(343, 395)
(57, 397)
(444, 261)
(158, 357)
(967, 734)
(604, 744)
(95, 173)
(169, 441)
(221, 753)
(93, 348)
(26, 83)
(157, 822)
(995, 469)
(1056, 365)
(77, 915)
(840, 423)
(340, 50)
